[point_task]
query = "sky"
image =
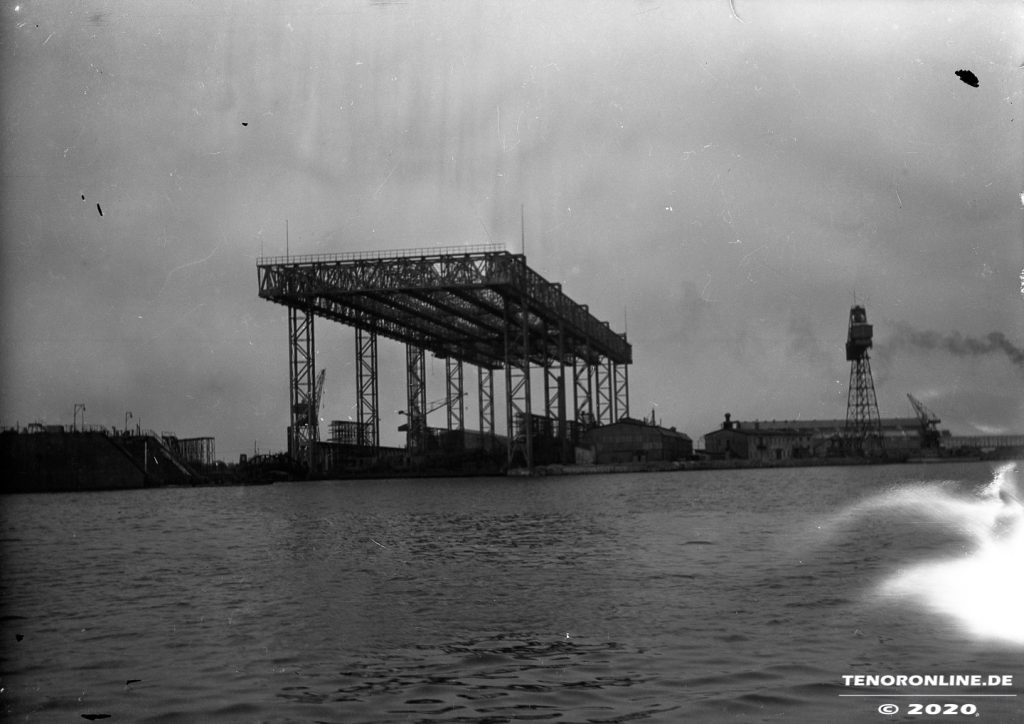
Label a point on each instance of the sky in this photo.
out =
(721, 180)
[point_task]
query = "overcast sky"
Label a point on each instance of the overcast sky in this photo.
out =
(722, 179)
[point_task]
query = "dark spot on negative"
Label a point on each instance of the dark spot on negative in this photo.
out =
(968, 77)
(94, 717)
(98, 208)
(244, 123)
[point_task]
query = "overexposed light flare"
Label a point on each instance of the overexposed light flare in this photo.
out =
(983, 591)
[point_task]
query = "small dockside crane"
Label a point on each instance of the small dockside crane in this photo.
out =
(928, 422)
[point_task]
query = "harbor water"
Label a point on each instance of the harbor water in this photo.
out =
(711, 596)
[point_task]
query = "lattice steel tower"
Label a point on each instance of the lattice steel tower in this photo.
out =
(863, 424)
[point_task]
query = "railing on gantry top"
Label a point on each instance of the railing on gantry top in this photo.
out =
(428, 251)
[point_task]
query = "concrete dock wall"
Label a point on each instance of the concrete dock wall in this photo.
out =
(49, 462)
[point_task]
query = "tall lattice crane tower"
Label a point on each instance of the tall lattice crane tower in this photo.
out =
(863, 425)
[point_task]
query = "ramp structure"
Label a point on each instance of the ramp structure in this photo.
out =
(477, 305)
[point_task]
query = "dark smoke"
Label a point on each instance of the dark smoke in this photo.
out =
(957, 344)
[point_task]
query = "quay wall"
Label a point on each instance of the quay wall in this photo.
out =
(70, 461)
(51, 462)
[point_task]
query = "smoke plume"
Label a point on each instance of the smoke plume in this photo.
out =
(957, 344)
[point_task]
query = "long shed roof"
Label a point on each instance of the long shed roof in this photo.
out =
(806, 427)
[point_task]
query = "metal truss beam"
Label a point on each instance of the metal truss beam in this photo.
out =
(304, 429)
(367, 406)
(419, 313)
(476, 350)
(450, 302)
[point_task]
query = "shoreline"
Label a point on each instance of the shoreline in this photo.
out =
(613, 468)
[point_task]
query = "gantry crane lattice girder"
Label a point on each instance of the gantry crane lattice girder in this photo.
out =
(454, 302)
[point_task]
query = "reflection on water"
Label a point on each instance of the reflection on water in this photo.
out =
(715, 596)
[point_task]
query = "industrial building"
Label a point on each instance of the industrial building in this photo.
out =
(1003, 447)
(633, 441)
(782, 440)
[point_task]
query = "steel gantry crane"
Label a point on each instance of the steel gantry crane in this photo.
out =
(479, 305)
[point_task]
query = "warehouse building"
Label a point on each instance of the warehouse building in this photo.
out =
(634, 441)
(780, 440)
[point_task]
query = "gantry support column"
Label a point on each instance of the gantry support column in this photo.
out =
(486, 403)
(605, 392)
(304, 430)
(554, 388)
(455, 401)
(550, 375)
(563, 427)
(583, 394)
(621, 374)
(367, 409)
(517, 387)
(416, 408)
